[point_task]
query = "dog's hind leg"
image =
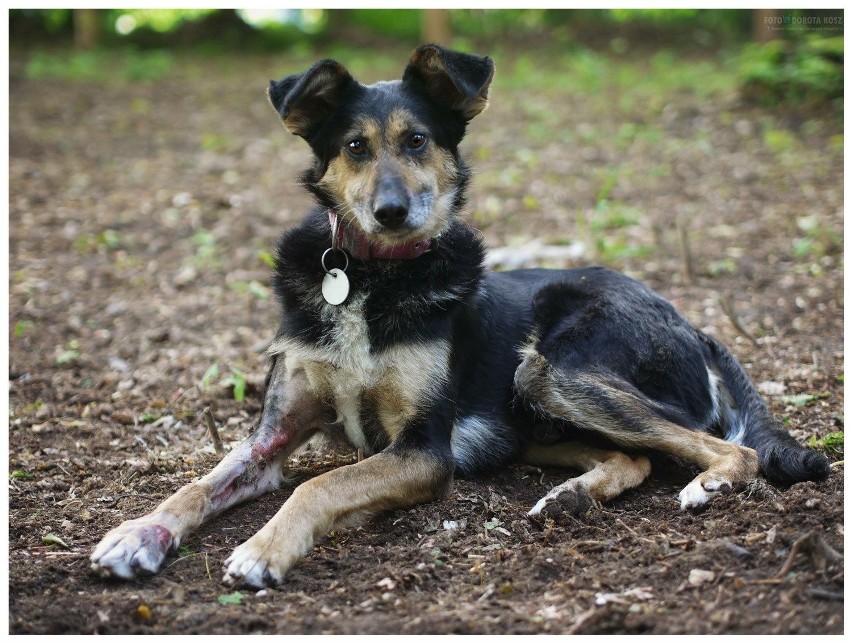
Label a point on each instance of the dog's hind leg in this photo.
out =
(606, 474)
(290, 415)
(611, 406)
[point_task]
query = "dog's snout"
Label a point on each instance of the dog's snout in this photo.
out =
(391, 215)
(391, 205)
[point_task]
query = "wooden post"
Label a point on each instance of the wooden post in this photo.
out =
(87, 28)
(761, 31)
(436, 26)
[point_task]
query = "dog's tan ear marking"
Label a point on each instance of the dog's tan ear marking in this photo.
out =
(456, 80)
(305, 100)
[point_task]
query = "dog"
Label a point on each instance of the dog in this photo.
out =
(394, 338)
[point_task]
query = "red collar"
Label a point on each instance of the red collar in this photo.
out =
(359, 245)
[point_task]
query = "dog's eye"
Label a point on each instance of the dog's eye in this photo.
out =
(356, 147)
(416, 141)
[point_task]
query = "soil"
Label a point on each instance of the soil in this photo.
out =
(139, 215)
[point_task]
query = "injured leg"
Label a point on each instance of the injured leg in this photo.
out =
(291, 414)
(606, 475)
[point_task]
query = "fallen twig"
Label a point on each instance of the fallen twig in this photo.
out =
(727, 304)
(685, 252)
(214, 432)
(763, 581)
(812, 544)
(589, 616)
(825, 594)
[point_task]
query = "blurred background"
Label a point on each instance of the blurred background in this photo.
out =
(780, 54)
(698, 150)
(686, 147)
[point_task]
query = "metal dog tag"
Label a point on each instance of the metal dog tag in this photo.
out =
(335, 286)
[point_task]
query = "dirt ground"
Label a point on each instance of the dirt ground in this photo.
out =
(140, 213)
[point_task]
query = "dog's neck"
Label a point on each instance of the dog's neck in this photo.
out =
(359, 246)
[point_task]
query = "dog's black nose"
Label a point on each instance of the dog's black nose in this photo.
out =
(391, 205)
(391, 215)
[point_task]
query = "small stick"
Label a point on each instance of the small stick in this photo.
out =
(825, 594)
(627, 527)
(820, 552)
(685, 253)
(728, 306)
(214, 432)
(764, 581)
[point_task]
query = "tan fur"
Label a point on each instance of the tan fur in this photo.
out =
(321, 86)
(353, 182)
(724, 463)
(385, 481)
(194, 503)
(606, 474)
(432, 67)
(400, 381)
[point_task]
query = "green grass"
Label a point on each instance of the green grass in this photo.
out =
(818, 240)
(831, 443)
(99, 65)
(636, 84)
(23, 326)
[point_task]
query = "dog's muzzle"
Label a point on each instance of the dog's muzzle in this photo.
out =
(390, 207)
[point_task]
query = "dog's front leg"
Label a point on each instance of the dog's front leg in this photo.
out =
(291, 413)
(394, 478)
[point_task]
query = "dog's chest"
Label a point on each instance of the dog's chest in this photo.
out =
(388, 386)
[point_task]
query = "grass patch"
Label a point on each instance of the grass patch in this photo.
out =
(819, 240)
(99, 65)
(832, 443)
(806, 70)
(23, 326)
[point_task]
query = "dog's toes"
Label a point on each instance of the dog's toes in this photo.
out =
(244, 567)
(698, 493)
(562, 502)
(131, 550)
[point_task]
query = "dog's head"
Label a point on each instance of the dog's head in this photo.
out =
(387, 158)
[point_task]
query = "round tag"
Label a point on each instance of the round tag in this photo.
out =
(335, 286)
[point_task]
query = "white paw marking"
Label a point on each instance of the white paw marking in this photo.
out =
(698, 493)
(539, 506)
(566, 487)
(693, 496)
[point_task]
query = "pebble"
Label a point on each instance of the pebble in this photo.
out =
(700, 577)
(123, 417)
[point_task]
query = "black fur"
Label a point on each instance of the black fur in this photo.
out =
(588, 321)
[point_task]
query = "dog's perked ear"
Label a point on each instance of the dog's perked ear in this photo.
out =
(304, 100)
(455, 80)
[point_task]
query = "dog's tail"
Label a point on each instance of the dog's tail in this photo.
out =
(745, 419)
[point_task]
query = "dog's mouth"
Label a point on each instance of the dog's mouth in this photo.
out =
(379, 243)
(402, 226)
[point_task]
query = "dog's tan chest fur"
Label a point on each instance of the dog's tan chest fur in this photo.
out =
(395, 382)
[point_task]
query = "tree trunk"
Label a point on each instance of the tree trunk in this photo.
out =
(87, 28)
(761, 30)
(436, 26)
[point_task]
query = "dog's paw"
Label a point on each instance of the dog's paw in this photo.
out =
(564, 500)
(136, 547)
(698, 493)
(256, 564)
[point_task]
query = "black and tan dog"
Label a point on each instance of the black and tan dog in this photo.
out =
(395, 338)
